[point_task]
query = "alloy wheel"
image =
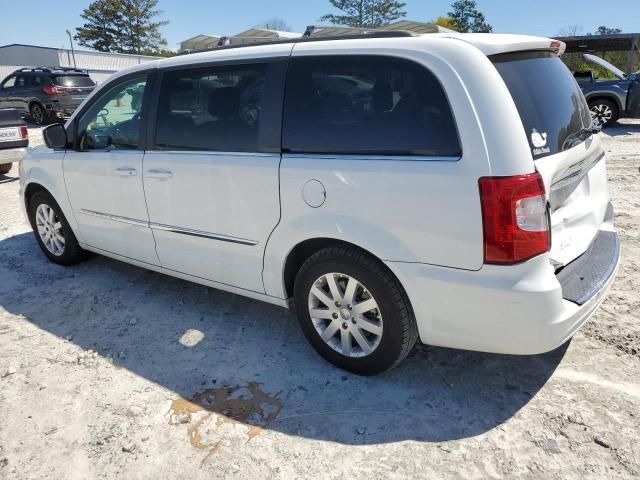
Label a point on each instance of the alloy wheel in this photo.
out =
(601, 113)
(50, 229)
(345, 315)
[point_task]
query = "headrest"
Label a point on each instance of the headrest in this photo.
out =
(224, 102)
(382, 97)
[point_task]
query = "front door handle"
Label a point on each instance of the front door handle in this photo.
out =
(159, 173)
(126, 171)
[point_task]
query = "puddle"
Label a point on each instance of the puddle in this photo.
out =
(245, 406)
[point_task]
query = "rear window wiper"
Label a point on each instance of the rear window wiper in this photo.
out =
(580, 136)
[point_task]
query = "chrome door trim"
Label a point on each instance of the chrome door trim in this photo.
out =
(115, 218)
(202, 234)
(213, 153)
(395, 158)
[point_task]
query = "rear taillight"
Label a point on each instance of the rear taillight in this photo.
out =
(53, 90)
(24, 133)
(514, 218)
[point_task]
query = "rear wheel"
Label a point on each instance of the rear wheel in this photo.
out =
(5, 168)
(603, 111)
(52, 231)
(38, 114)
(353, 311)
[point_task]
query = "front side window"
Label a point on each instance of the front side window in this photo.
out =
(366, 105)
(113, 120)
(21, 81)
(9, 83)
(214, 108)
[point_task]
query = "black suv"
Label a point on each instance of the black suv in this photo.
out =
(45, 93)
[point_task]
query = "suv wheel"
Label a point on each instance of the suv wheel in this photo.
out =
(38, 114)
(52, 231)
(353, 311)
(603, 111)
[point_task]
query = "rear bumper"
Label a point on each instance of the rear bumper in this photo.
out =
(10, 155)
(519, 309)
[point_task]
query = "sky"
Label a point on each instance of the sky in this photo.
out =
(187, 18)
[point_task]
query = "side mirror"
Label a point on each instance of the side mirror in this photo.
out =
(633, 77)
(55, 136)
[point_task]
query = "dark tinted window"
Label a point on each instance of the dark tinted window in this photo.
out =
(73, 81)
(21, 81)
(216, 108)
(551, 105)
(366, 105)
(37, 81)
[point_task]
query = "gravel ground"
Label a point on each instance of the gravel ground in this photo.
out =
(108, 370)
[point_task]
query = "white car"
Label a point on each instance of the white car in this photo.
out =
(454, 190)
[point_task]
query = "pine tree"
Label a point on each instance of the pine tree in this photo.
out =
(123, 26)
(467, 18)
(365, 13)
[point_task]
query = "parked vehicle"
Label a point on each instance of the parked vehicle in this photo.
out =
(610, 99)
(45, 94)
(454, 192)
(14, 139)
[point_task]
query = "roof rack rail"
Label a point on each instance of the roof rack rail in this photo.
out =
(312, 34)
(52, 70)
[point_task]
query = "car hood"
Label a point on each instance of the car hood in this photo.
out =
(604, 64)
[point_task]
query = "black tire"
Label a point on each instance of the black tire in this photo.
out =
(72, 252)
(399, 329)
(38, 114)
(599, 109)
(5, 168)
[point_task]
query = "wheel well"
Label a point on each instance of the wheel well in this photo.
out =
(610, 98)
(301, 252)
(32, 102)
(31, 189)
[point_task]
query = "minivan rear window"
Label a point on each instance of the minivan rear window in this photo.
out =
(549, 100)
(73, 81)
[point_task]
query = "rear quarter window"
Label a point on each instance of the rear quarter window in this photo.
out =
(550, 103)
(367, 105)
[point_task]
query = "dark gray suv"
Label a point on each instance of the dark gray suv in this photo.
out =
(45, 93)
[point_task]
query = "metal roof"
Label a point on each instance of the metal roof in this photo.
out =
(620, 42)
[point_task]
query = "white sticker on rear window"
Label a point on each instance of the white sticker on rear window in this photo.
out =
(539, 141)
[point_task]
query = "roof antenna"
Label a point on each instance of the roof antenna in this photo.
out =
(310, 29)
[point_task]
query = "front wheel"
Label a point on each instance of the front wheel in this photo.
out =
(603, 111)
(52, 231)
(353, 311)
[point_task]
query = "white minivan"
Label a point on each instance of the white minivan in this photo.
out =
(450, 187)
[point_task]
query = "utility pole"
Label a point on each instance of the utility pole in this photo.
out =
(73, 53)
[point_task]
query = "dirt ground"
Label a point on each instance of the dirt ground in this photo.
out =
(112, 371)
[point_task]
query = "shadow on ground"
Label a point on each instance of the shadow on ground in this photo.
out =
(203, 344)
(623, 128)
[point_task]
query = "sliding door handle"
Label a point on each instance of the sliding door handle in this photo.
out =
(126, 171)
(159, 173)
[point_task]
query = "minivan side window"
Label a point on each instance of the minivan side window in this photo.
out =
(371, 105)
(218, 108)
(112, 121)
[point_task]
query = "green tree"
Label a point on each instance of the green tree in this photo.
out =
(445, 22)
(603, 30)
(365, 13)
(123, 26)
(467, 18)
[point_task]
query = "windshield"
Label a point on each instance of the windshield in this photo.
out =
(548, 99)
(73, 81)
